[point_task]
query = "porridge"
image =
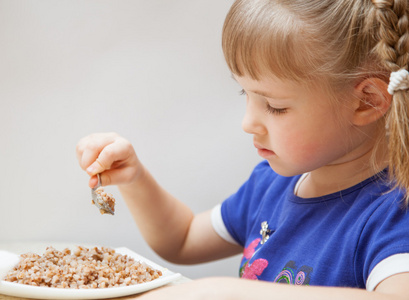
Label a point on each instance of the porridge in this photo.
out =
(81, 268)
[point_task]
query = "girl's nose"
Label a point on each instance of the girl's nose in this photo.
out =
(253, 119)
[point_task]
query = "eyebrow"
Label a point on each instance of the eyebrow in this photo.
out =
(260, 93)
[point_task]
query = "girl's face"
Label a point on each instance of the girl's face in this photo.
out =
(296, 129)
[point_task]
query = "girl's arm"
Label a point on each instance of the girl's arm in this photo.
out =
(169, 226)
(392, 288)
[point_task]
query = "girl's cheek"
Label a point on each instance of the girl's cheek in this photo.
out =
(303, 150)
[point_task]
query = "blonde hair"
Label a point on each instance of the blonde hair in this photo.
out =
(332, 43)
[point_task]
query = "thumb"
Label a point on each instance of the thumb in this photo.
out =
(95, 168)
(93, 181)
(106, 158)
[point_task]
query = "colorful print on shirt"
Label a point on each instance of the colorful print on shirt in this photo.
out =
(290, 274)
(256, 268)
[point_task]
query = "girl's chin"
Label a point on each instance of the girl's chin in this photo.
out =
(284, 171)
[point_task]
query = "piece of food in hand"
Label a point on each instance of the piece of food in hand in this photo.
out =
(81, 268)
(106, 201)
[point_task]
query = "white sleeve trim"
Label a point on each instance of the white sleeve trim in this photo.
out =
(218, 225)
(392, 265)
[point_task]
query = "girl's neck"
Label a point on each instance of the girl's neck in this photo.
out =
(337, 177)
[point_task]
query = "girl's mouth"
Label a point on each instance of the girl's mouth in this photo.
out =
(263, 152)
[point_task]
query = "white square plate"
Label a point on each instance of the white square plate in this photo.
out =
(35, 292)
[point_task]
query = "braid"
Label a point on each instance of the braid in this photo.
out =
(393, 49)
(393, 36)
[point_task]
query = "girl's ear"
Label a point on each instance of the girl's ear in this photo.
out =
(372, 101)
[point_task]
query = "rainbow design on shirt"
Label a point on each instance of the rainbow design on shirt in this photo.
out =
(292, 275)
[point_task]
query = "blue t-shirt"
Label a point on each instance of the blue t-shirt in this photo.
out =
(333, 240)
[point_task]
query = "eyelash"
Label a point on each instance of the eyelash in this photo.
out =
(275, 111)
(269, 109)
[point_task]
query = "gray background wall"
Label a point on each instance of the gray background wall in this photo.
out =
(152, 71)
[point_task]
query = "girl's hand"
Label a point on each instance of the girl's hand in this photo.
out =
(110, 155)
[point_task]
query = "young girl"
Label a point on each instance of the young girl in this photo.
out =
(325, 212)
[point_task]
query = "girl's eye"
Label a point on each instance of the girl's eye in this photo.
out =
(275, 111)
(269, 108)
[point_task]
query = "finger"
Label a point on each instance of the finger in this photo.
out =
(93, 181)
(85, 149)
(112, 153)
(79, 150)
(89, 147)
(88, 157)
(116, 176)
(103, 160)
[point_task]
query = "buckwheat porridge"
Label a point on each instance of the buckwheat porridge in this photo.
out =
(82, 268)
(108, 201)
